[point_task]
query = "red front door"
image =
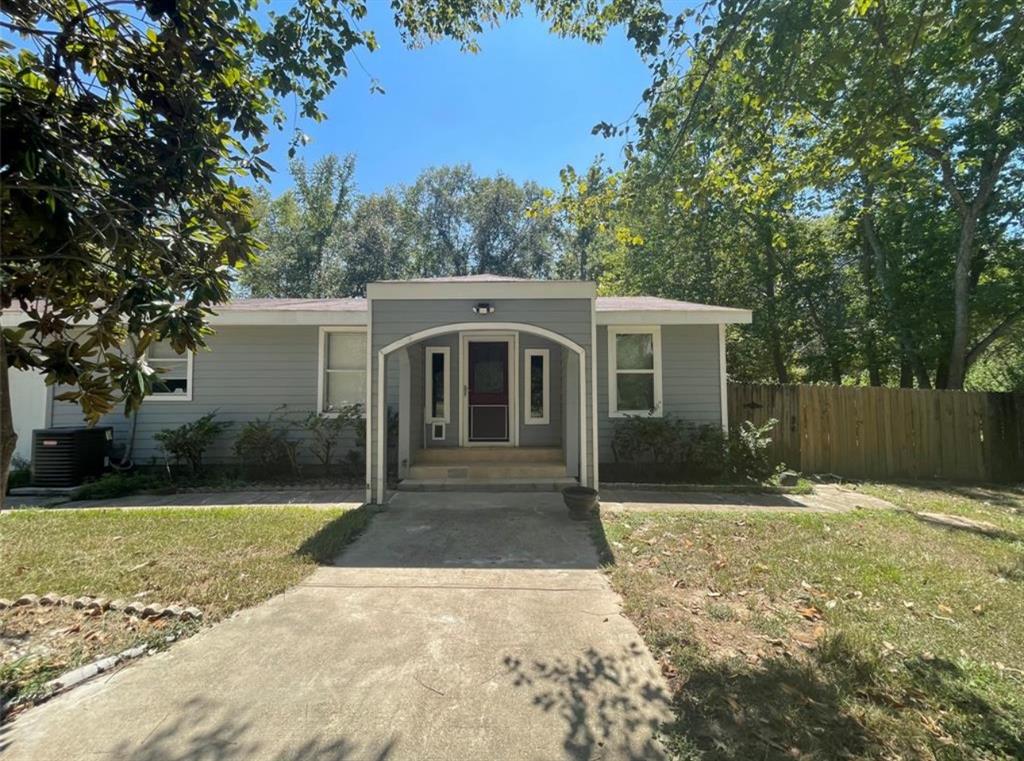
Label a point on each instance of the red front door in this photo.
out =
(488, 391)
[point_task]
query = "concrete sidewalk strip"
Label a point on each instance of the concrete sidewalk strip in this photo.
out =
(459, 626)
(825, 498)
(327, 498)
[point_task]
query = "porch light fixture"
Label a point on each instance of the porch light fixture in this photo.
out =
(483, 308)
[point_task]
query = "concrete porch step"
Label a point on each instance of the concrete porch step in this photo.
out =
(490, 485)
(467, 455)
(488, 470)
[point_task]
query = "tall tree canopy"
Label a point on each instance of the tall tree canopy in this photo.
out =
(323, 239)
(852, 170)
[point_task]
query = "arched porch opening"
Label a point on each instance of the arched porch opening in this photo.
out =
(376, 438)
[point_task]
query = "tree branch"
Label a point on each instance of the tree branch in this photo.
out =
(998, 331)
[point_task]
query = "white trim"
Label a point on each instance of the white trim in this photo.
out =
(512, 326)
(674, 316)
(382, 431)
(482, 290)
(511, 339)
(545, 356)
(613, 371)
(723, 379)
(289, 317)
(368, 438)
(321, 369)
(443, 436)
(593, 390)
(169, 396)
(428, 384)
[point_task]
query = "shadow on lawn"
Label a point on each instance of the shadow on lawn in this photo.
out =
(785, 708)
(331, 538)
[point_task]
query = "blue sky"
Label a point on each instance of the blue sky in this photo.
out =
(524, 105)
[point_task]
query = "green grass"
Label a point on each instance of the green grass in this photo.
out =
(218, 559)
(1003, 507)
(868, 635)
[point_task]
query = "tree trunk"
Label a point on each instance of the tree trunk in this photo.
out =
(771, 274)
(970, 212)
(957, 363)
(906, 375)
(8, 438)
(885, 285)
(870, 335)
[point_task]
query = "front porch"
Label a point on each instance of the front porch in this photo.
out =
(533, 468)
(484, 408)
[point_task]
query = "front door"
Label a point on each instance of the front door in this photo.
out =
(488, 390)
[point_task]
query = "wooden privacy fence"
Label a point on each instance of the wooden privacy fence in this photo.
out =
(867, 432)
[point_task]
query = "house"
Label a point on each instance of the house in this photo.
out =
(493, 379)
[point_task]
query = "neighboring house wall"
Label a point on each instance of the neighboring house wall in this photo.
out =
(247, 373)
(29, 399)
(395, 319)
(691, 388)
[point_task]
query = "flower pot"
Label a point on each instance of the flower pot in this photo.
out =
(580, 500)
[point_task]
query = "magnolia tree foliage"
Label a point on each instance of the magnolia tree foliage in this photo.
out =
(127, 128)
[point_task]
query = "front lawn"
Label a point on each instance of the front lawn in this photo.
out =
(217, 559)
(868, 635)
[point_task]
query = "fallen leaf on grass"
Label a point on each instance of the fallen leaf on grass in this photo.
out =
(811, 613)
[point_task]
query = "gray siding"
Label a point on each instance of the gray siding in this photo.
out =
(248, 372)
(419, 392)
(393, 320)
(690, 378)
(550, 434)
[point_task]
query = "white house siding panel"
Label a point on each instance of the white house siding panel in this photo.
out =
(690, 379)
(395, 319)
(247, 373)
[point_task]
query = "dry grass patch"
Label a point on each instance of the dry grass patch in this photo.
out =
(218, 559)
(867, 635)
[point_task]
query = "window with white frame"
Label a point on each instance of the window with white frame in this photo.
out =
(537, 391)
(173, 381)
(342, 379)
(438, 384)
(634, 371)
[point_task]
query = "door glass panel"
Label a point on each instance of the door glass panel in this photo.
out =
(489, 368)
(536, 386)
(437, 371)
(634, 351)
(635, 391)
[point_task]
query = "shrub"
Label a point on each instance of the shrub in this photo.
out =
(748, 451)
(648, 440)
(20, 473)
(188, 442)
(706, 454)
(117, 485)
(265, 449)
(668, 449)
(326, 432)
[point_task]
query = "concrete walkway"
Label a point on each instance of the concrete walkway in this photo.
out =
(350, 498)
(458, 627)
(826, 498)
